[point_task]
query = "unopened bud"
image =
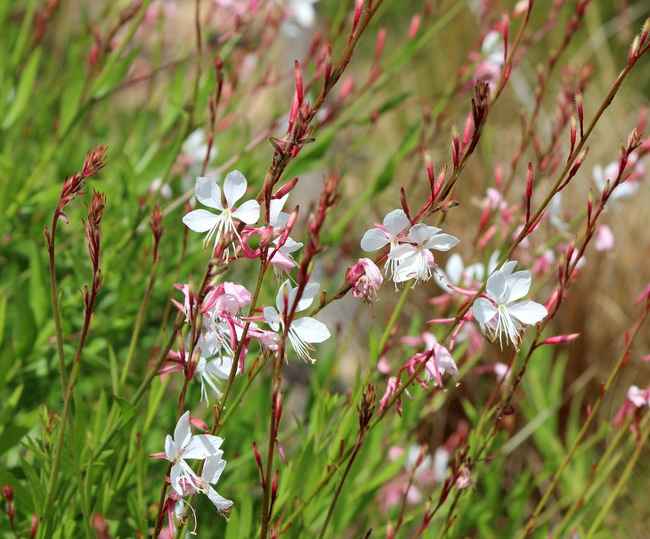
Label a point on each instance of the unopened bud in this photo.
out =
(414, 26)
(561, 339)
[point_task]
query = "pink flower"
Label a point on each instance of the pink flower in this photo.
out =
(604, 238)
(639, 397)
(438, 359)
(365, 278)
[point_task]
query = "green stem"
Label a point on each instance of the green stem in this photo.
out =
(142, 311)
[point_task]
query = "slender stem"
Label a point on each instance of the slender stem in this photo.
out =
(339, 488)
(585, 427)
(54, 296)
(58, 449)
(142, 311)
(619, 485)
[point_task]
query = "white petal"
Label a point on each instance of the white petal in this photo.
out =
(175, 476)
(234, 187)
(208, 193)
(454, 268)
(272, 318)
(182, 432)
(528, 312)
(421, 234)
(202, 446)
(518, 285)
(221, 503)
(396, 221)
(304, 13)
(291, 246)
(170, 448)
(442, 242)
(275, 211)
(483, 311)
(283, 297)
(310, 330)
(496, 286)
(212, 468)
(403, 251)
(248, 212)
(200, 220)
(310, 292)
(374, 239)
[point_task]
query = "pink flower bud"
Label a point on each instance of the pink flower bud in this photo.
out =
(414, 26)
(34, 527)
(561, 339)
(365, 278)
(8, 492)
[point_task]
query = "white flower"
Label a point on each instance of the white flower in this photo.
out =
(503, 314)
(608, 174)
(441, 464)
(195, 147)
(493, 48)
(301, 12)
(414, 259)
(211, 372)
(278, 219)
(212, 470)
(441, 361)
(208, 193)
(184, 445)
(303, 332)
(388, 233)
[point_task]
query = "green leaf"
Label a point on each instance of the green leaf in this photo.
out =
(24, 91)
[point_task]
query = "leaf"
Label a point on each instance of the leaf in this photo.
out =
(24, 91)
(38, 293)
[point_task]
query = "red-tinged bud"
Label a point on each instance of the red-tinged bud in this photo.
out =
(380, 42)
(429, 167)
(644, 296)
(277, 409)
(580, 110)
(576, 166)
(485, 239)
(589, 211)
(455, 151)
(498, 176)
(286, 188)
(347, 87)
(300, 91)
(199, 424)
(8, 493)
(561, 339)
(507, 71)
(94, 55)
(530, 178)
(100, 526)
(404, 203)
(573, 134)
(414, 26)
(504, 28)
(274, 485)
(485, 217)
(358, 7)
(468, 131)
(327, 61)
(552, 302)
(34, 527)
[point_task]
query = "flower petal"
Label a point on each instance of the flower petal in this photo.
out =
(208, 193)
(374, 239)
(277, 218)
(310, 330)
(175, 475)
(221, 503)
(455, 268)
(496, 287)
(518, 285)
(483, 311)
(442, 242)
(272, 318)
(202, 446)
(200, 220)
(248, 212)
(422, 233)
(234, 187)
(528, 312)
(212, 468)
(396, 221)
(182, 432)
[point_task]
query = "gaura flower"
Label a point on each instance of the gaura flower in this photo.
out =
(213, 467)
(184, 445)
(303, 332)
(211, 373)
(365, 278)
(217, 225)
(388, 233)
(502, 313)
(415, 259)
(608, 174)
(282, 259)
(639, 397)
